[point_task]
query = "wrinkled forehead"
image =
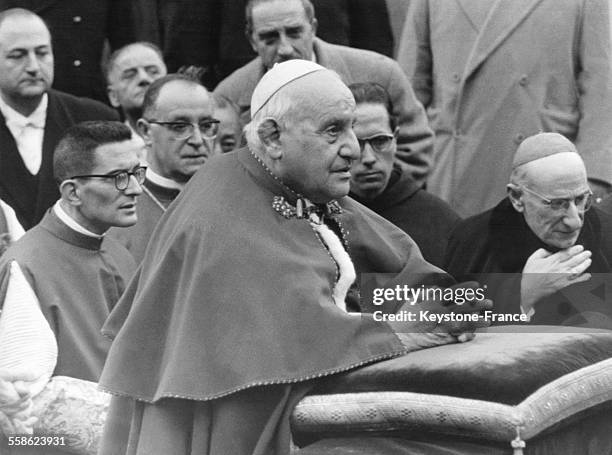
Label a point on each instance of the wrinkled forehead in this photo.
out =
(278, 12)
(134, 56)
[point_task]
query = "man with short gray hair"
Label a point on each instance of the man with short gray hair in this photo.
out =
(280, 30)
(131, 70)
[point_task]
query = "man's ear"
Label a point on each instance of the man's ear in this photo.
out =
(112, 97)
(269, 134)
(249, 37)
(69, 192)
(144, 129)
(314, 24)
(514, 194)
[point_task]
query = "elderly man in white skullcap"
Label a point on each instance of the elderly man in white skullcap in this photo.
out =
(244, 294)
(544, 234)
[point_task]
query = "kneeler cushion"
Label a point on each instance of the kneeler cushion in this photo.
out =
(497, 386)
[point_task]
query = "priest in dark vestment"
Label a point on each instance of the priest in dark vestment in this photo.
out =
(543, 250)
(382, 185)
(240, 304)
(73, 274)
(172, 106)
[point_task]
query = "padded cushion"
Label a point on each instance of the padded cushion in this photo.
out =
(494, 388)
(502, 367)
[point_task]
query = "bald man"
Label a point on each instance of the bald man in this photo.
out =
(179, 133)
(33, 116)
(544, 237)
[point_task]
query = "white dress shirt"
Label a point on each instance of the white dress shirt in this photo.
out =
(28, 132)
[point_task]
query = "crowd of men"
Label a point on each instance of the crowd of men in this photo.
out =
(207, 290)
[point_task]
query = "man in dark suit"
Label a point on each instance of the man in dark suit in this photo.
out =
(80, 29)
(32, 116)
(212, 34)
(285, 30)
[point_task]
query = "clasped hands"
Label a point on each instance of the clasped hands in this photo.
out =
(546, 273)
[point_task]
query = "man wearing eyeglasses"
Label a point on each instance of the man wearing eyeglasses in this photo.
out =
(179, 131)
(72, 272)
(540, 247)
(382, 185)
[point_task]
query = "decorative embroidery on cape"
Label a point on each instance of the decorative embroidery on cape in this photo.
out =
(304, 209)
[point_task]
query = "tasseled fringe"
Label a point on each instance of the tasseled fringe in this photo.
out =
(517, 443)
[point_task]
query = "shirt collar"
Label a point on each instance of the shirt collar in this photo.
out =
(129, 125)
(163, 181)
(36, 119)
(71, 222)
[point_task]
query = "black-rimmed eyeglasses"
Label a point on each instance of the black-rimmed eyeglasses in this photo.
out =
(122, 178)
(380, 143)
(183, 130)
(583, 202)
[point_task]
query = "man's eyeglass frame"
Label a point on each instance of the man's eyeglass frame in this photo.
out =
(558, 204)
(122, 178)
(190, 131)
(369, 139)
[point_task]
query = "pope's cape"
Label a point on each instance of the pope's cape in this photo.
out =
(232, 294)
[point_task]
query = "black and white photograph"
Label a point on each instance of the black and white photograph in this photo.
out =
(305, 227)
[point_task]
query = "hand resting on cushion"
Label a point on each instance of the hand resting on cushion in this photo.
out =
(437, 322)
